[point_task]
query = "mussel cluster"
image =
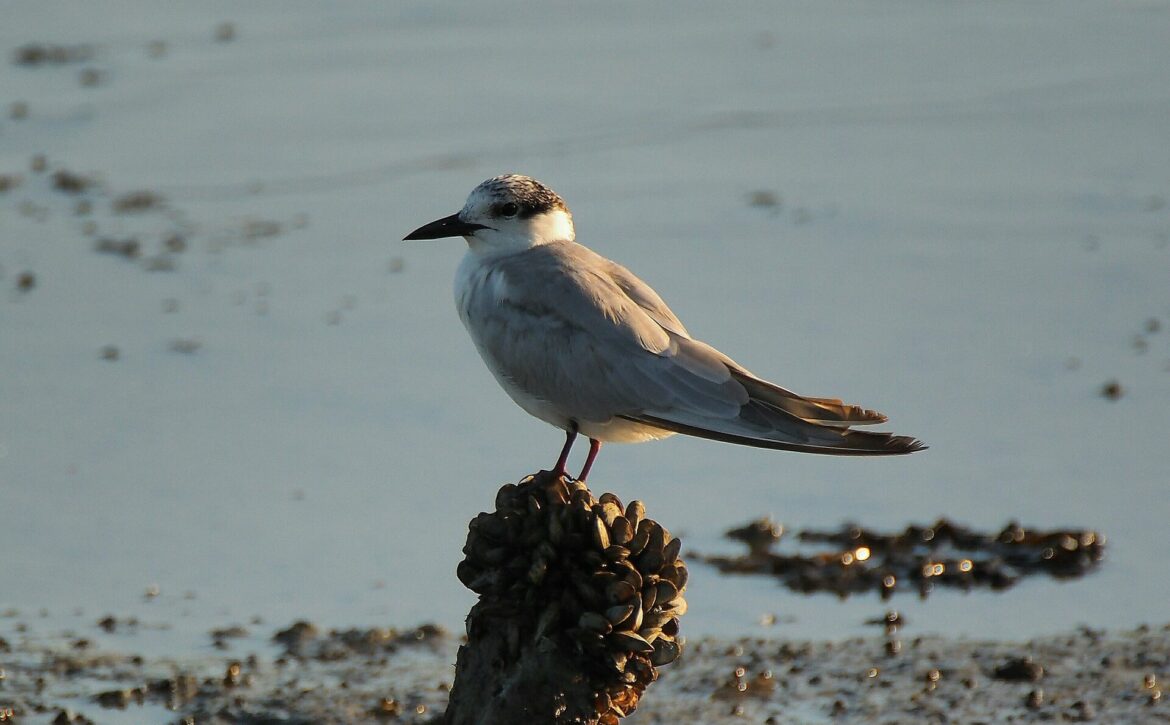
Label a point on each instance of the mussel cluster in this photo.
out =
(591, 570)
(942, 554)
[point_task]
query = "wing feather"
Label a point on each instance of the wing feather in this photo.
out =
(568, 326)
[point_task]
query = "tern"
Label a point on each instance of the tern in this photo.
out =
(580, 342)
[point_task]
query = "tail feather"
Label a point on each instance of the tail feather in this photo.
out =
(826, 411)
(830, 440)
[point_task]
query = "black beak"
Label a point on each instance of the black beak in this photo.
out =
(448, 226)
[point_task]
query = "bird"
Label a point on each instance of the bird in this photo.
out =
(583, 344)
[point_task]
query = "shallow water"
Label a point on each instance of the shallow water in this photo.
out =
(970, 233)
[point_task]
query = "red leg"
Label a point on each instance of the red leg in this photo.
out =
(570, 436)
(594, 447)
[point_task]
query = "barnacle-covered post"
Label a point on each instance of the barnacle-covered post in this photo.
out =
(579, 604)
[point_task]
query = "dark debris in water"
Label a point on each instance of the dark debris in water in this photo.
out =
(759, 535)
(35, 54)
(855, 560)
(304, 640)
(137, 201)
(1112, 390)
(130, 248)
(70, 182)
(72, 685)
(1019, 669)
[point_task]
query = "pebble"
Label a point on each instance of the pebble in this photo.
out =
(1034, 699)
(1019, 669)
(1112, 390)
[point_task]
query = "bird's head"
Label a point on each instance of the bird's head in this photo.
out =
(509, 213)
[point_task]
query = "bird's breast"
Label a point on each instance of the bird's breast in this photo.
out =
(479, 286)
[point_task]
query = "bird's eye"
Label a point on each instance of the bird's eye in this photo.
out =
(510, 209)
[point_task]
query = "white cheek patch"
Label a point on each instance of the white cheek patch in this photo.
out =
(555, 226)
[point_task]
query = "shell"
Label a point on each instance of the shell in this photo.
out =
(495, 555)
(649, 597)
(580, 499)
(677, 574)
(467, 572)
(504, 495)
(592, 559)
(635, 512)
(670, 629)
(638, 543)
(612, 498)
(619, 592)
(618, 710)
(608, 512)
(667, 592)
(664, 652)
(650, 634)
(548, 619)
(627, 571)
(656, 619)
(652, 557)
(558, 492)
(620, 613)
(618, 661)
(602, 579)
(585, 589)
(616, 553)
(556, 530)
(594, 622)
(621, 531)
(671, 551)
(649, 560)
(600, 534)
(601, 700)
(627, 616)
(534, 533)
(628, 642)
(537, 571)
(634, 623)
(489, 525)
(545, 550)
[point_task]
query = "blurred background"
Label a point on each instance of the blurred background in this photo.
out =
(228, 391)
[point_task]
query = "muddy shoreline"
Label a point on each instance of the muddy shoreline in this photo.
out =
(305, 674)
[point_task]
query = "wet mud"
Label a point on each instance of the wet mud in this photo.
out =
(305, 673)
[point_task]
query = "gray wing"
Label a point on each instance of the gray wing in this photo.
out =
(831, 411)
(571, 327)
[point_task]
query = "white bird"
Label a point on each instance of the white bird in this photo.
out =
(581, 343)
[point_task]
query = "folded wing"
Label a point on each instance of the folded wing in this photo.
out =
(571, 327)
